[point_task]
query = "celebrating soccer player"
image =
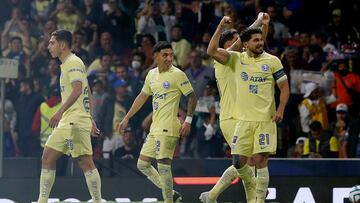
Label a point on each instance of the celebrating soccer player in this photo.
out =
(165, 83)
(253, 73)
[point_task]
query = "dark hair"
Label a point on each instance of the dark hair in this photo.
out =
(79, 32)
(151, 38)
(121, 65)
(54, 91)
(227, 35)
(315, 126)
(315, 49)
(104, 54)
(321, 35)
(248, 32)
(15, 38)
(64, 36)
(141, 55)
(177, 26)
(161, 45)
(28, 81)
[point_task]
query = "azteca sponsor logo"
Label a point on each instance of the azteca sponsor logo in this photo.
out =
(257, 79)
(245, 77)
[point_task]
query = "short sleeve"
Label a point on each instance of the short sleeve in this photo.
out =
(75, 72)
(234, 57)
(184, 84)
(278, 70)
(146, 88)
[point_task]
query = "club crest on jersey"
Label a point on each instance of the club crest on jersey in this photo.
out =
(265, 67)
(244, 76)
(166, 84)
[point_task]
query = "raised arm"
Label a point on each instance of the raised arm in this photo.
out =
(213, 50)
(137, 104)
(265, 25)
(263, 20)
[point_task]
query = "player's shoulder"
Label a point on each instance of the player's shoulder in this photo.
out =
(74, 60)
(176, 71)
(267, 56)
(235, 53)
(270, 59)
(217, 64)
(153, 71)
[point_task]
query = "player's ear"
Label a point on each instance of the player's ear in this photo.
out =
(245, 44)
(155, 55)
(62, 44)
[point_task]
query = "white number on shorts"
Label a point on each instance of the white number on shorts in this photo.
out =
(157, 145)
(69, 144)
(264, 138)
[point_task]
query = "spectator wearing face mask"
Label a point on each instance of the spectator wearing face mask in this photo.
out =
(137, 64)
(347, 85)
(313, 107)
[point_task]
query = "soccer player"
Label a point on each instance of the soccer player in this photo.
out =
(72, 123)
(226, 79)
(255, 133)
(165, 83)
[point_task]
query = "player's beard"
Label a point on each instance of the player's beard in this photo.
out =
(258, 50)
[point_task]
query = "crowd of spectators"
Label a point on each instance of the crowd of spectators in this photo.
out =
(114, 38)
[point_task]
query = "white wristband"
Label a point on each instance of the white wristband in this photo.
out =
(188, 119)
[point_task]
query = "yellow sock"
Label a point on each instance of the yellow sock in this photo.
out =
(47, 179)
(249, 182)
(149, 171)
(262, 183)
(166, 181)
(94, 184)
(224, 182)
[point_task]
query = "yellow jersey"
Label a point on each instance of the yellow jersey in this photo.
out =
(166, 89)
(333, 145)
(256, 85)
(226, 81)
(73, 69)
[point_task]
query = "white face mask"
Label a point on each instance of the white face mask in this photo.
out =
(135, 64)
